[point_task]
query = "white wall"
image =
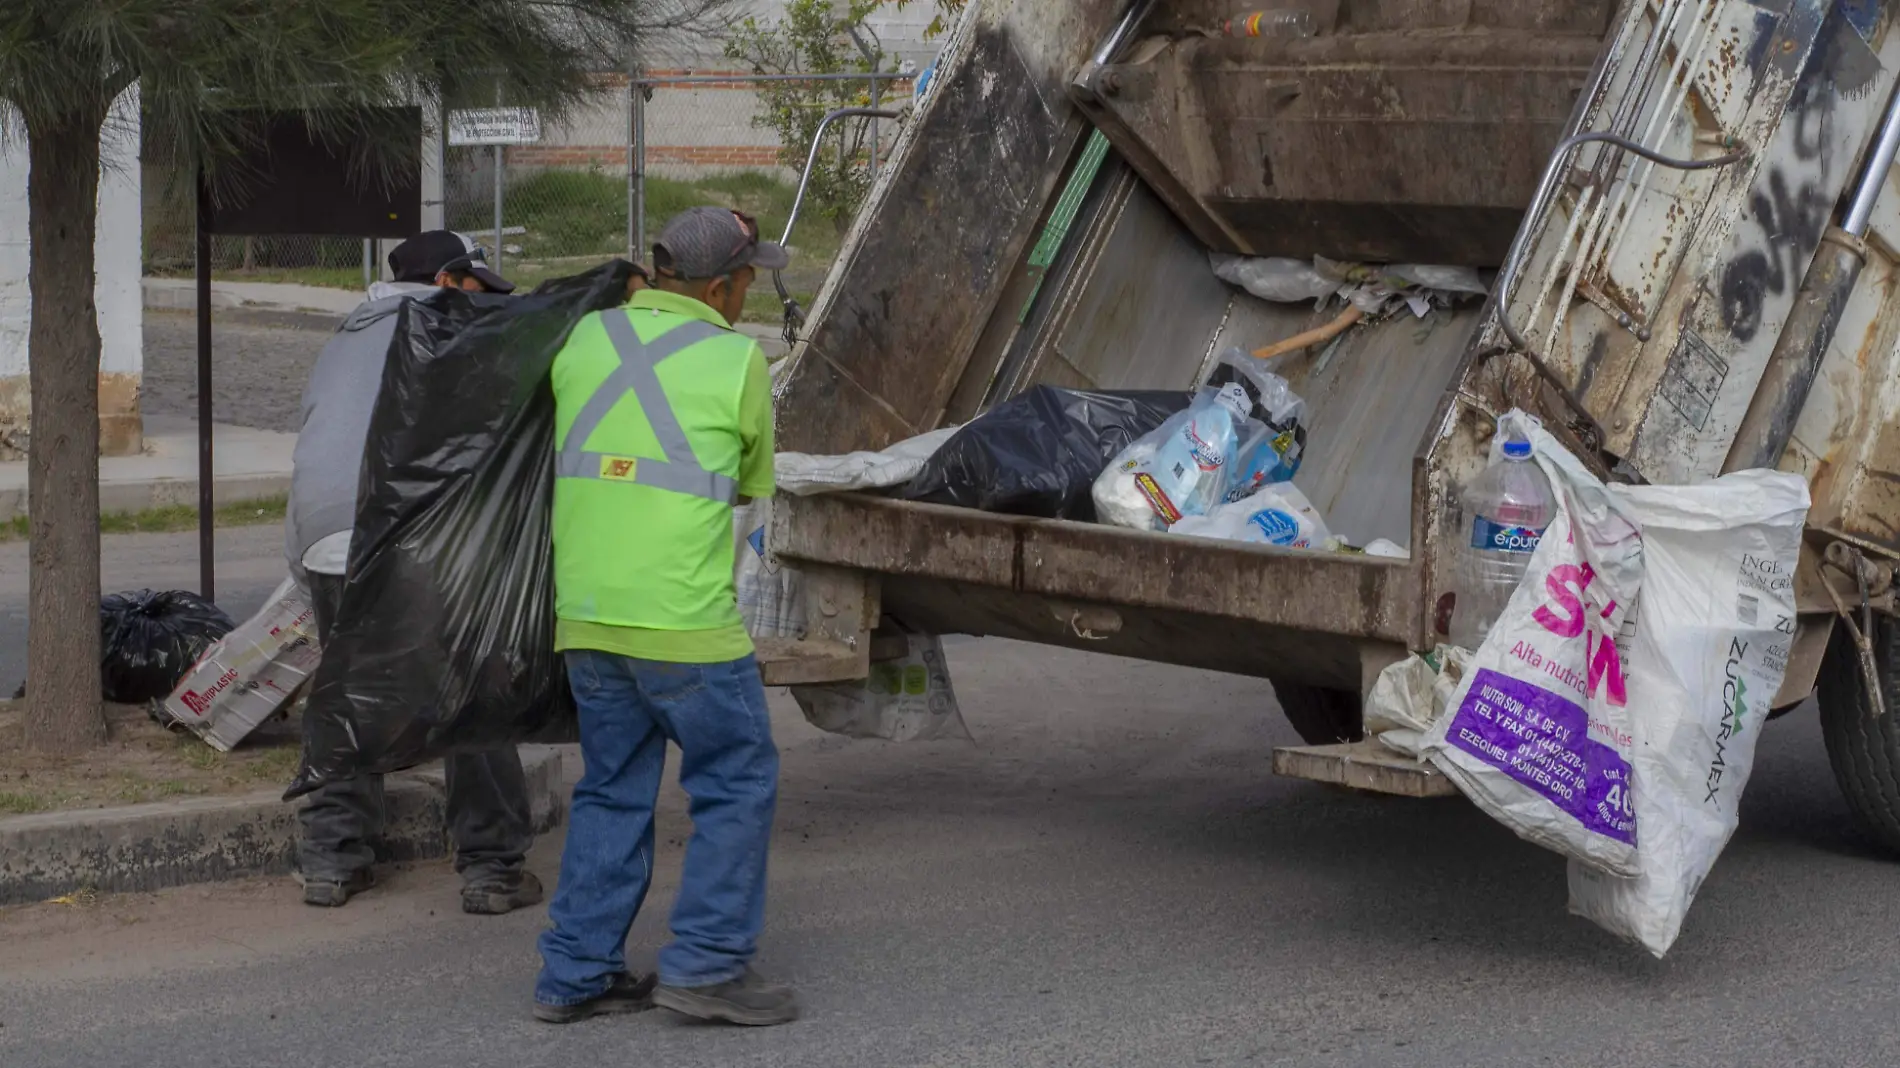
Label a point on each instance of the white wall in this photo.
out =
(118, 250)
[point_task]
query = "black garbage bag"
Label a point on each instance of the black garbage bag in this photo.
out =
(1040, 452)
(149, 640)
(444, 640)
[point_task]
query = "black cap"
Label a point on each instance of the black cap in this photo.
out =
(702, 243)
(428, 254)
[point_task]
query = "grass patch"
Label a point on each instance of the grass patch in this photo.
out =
(170, 518)
(18, 803)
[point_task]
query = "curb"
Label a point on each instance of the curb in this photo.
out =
(209, 839)
(228, 307)
(131, 496)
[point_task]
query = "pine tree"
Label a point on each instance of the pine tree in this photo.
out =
(196, 65)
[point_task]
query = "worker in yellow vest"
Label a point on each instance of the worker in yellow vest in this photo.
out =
(663, 424)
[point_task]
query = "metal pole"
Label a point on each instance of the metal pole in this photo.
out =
(497, 207)
(207, 566)
(633, 130)
(1808, 329)
(640, 172)
(1873, 178)
(498, 253)
(369, 261)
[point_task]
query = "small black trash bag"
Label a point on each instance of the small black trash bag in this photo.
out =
(444, 640)
(149, 640)
(1040, 452)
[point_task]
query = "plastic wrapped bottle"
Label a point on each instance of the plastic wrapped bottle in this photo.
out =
(1509, 505)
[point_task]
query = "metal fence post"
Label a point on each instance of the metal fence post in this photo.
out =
(498, 176)
(637, 176)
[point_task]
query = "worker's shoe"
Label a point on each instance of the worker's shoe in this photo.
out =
(334, 893)
(749, 1001)
(500, 894)
(627, 993)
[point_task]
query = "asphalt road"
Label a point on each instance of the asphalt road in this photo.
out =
(1110, 877)
(257, 371)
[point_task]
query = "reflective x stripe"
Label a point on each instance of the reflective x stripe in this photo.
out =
(637, 374)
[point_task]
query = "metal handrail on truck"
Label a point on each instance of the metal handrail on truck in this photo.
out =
(794, 315)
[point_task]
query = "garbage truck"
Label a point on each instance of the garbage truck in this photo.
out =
(1676, 206)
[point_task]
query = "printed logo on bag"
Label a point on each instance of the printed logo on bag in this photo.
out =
(1206, 456)
(1734, 707)
(1278, 528)
(619, 468)
(1566, 617)
(1499, 538)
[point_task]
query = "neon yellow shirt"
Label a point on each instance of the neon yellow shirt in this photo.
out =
(641, 571)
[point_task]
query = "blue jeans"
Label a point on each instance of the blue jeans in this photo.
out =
(629, 710)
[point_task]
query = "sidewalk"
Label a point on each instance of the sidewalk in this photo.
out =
(320, 308)
(248, 465)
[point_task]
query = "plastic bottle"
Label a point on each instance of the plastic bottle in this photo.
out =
(1509, 505)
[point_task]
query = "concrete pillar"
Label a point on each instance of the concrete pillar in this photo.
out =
(118, 256)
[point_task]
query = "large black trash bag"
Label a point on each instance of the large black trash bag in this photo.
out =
(444, 641)
(148, 641)
(1040, 452)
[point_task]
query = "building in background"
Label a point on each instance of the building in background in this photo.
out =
(121, 311)
(692, 130)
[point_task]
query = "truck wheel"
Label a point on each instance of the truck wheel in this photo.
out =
(1321, 716)
(1864, 751)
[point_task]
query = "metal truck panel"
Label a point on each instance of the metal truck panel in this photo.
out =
(1400, 132)
(943, 228)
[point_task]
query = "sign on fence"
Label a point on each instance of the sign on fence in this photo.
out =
(494, 126)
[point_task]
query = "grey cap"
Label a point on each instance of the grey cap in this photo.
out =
(702, 243)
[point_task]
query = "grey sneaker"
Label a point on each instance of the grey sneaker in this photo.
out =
(628, 993)
(332, 893)
(749, 1001)
(497, 895)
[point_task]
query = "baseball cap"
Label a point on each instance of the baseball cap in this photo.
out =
(428, 254)
(702, 243)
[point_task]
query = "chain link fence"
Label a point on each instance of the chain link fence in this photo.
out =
(646, 149)
(604, 182)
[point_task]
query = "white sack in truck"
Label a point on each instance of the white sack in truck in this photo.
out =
(1279, 514)
(250, 673)
(1539, 733)
(804, 475)
(1714, 629)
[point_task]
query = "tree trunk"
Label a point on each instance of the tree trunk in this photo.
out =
(64, 710)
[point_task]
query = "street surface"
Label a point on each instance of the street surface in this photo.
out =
(257, 372)
(1110, 877)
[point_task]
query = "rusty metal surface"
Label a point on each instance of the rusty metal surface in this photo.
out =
(1365, 765)
(1418, 137)
(1190, 639)
(943, 229)
(1335, 593)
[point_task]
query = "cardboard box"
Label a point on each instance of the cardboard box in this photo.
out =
(241, 681)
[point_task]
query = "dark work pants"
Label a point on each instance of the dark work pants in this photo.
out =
(490, 819)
